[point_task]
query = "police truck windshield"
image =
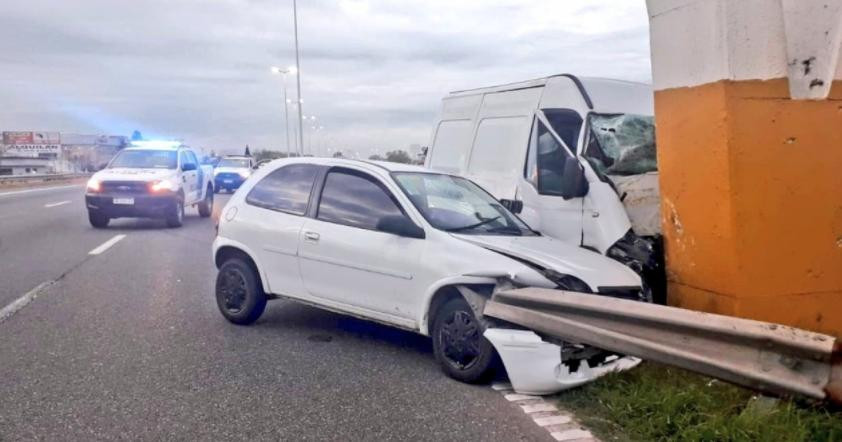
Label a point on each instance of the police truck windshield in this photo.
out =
(145, 159)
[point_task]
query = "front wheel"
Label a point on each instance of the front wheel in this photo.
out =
(206, 206)
(239, 295)
(458, 345)
(98, 220)
(176, 217)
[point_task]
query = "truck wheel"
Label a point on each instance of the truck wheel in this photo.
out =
(239, 295)
(98, 219)
(206, 206)
(176, 217)
(458, 345)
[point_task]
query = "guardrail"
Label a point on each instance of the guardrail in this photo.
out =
(6, 179)
(759, 355)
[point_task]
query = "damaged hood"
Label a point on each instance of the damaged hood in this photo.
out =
(592, 268)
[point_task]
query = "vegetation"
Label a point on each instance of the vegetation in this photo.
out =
(654, 402)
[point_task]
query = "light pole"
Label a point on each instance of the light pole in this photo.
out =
(290, 70)
(298, 77)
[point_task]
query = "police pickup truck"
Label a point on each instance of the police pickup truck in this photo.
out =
(150, 180)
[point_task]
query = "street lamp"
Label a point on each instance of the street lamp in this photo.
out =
(298, 77)
(290, 70)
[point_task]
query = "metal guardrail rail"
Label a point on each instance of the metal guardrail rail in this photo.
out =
(768, 357)
(41, 177)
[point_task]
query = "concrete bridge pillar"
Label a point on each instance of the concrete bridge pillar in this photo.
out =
(748, 107)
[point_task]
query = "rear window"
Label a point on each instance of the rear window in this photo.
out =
(285, 190)
(450, 148)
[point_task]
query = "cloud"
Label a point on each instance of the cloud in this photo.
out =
(374, 71)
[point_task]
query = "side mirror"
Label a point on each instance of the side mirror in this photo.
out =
(401, 226)
(187, 167)
(574, 184)
(514, 206)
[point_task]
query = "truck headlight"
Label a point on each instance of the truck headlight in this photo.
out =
(163, 185)
(94, 185)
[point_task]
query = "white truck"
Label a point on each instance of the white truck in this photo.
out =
(575, 157)
(150, 180)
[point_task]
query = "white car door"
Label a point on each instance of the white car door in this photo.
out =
(275, 210)
(346, 260)
(189, 175)
(544, 209)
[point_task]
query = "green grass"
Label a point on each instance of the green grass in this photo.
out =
(658, 403)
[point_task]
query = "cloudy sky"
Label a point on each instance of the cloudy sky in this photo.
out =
(374, 71)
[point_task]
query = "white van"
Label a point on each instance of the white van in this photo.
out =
(575, 157)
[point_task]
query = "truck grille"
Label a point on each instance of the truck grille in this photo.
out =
(127, 187)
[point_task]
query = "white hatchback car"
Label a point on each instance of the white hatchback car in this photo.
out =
(404, 246)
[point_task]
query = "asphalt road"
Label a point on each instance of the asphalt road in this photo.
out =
(128, 344)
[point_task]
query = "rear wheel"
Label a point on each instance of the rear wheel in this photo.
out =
(461, 350)
(239, 295)
(176, 217)
(98, 219)
(206, 206)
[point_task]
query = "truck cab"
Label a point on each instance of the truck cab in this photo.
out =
(574, 157)
(150, 180)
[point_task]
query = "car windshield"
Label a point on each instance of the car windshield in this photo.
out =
(145, 159)
(622, 144)
(233, 162)
(455, 204)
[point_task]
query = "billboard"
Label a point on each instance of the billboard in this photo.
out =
(31, 143)
(31, 138)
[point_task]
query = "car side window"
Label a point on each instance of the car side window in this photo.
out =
(185, 158)
(355, 199)
(285, 190)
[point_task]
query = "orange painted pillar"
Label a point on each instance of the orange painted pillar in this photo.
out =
(748, 108)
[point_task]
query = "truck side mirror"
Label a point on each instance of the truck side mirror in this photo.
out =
(187, 167)
(574, 183)
(514, 206)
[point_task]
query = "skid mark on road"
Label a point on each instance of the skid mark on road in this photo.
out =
(60, 203)
(106, 245)
(561, 425)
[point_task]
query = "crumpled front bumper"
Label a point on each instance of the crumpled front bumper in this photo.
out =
(534, 366)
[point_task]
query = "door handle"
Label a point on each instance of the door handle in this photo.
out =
(311, 236)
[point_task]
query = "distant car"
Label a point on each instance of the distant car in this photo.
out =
(398, 244)
(231, 172)
(150, 180)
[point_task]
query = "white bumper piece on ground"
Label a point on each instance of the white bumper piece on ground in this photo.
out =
(535, 367)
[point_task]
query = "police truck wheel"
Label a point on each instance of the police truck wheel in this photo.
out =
(176, 217)
(458, 345)
(239, 295)
(98, 220)
(206, 206)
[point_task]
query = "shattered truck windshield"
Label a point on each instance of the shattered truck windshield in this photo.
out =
(622, 144)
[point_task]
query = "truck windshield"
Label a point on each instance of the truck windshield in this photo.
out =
(621, 144)
(145, 159)
(455, 204)
(233, 162)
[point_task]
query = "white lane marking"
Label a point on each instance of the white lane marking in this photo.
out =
(39, 189)
(21, 302)
(106, 245)
(572, 435)
(60, 203)
(552, 420)
(519, 397)
(529, 409)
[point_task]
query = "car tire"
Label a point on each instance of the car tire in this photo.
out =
(239, 294)
(206, 206)
(176, 217)
(458, 345)
(98, 220)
